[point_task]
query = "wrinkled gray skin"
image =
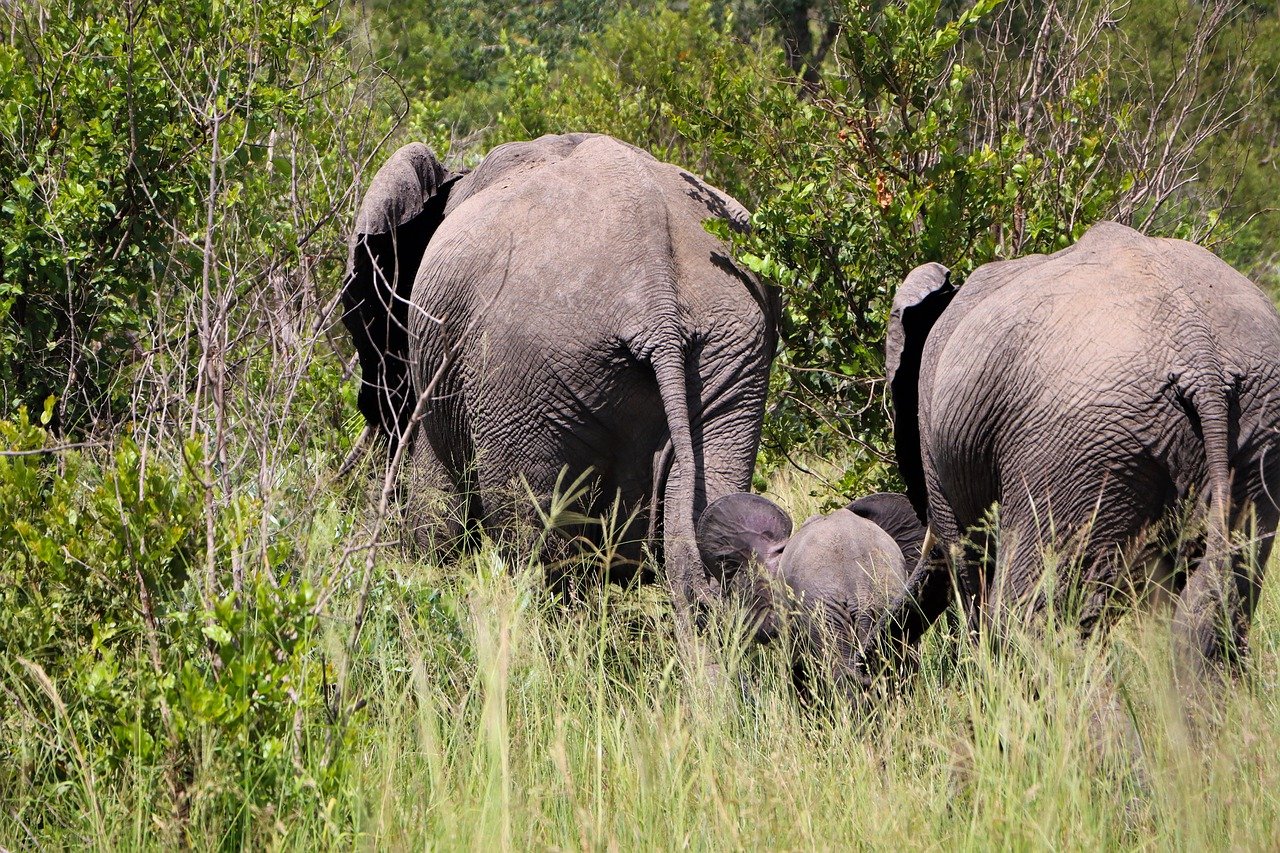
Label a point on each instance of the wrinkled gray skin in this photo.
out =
(831, 579)
(569, 313)
(894, 514)
(1091, 393)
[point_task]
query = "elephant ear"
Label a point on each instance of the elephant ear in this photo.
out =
(400, 212)
(736, 528)
(894, 514)
(921, 298)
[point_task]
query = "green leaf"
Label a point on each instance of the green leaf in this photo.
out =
(217, 633)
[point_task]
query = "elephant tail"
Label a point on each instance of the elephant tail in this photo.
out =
(1209, 609)
(1204, 396)
(1215, 413)
(678, 463)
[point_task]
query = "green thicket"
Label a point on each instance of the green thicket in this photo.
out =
(135, 140)
(205, 639)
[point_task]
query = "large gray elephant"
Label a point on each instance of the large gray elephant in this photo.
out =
(1093, 394)
(830, 580)
(560, 312)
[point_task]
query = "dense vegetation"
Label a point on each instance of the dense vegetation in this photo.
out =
(205, 637)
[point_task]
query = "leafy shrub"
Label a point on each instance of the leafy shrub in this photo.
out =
(86, 126)
(107, 636)
(134, 140)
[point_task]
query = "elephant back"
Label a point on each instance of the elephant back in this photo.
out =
(577, 239)
(513, 161)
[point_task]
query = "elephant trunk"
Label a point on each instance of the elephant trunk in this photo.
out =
(825, 661)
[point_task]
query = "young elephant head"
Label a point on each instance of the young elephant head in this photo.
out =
(894, 514)
(831, 580)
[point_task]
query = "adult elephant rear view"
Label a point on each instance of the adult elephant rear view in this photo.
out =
(570, 316)
(1091, 394)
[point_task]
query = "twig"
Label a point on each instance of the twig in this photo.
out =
(56, 448)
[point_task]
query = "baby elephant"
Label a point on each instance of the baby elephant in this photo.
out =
(831, 580)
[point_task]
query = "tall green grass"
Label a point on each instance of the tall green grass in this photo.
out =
(491, 717)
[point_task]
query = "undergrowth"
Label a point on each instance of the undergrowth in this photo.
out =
(474, 711)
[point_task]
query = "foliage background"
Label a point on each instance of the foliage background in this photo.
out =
(206, 638)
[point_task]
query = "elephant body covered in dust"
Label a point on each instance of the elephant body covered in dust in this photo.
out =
(1093, 394)
(558, 313)
(829, 581)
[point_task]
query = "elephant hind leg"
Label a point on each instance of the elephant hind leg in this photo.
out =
(575, 526)
(438, 511)
(1215, 609)
(1210, 621)
(1072, 571)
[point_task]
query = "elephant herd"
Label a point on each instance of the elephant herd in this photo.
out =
(1085, 428)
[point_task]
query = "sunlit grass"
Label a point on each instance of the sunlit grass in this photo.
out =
(494, 717)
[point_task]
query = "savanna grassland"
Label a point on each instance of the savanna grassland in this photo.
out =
(209, 638)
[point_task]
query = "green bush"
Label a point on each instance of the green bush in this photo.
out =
(108, 638)
(135, 140)
(87, 126)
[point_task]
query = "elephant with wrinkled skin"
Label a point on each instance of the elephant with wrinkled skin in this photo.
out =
(558, 313)
(1091, 394)
(831, 579)
(894, 514)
